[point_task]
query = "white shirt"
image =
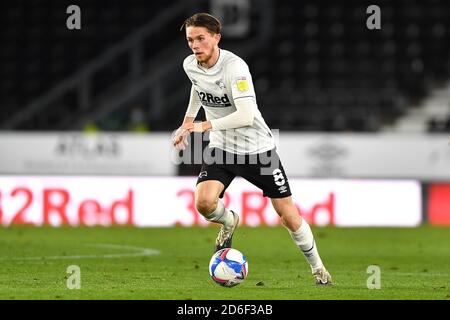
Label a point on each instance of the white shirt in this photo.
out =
(217, 89)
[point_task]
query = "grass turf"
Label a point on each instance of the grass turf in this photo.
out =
(414, 263)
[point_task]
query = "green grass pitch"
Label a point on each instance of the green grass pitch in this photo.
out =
(119, 263)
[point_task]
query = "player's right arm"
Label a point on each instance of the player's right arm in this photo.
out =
(180, 138)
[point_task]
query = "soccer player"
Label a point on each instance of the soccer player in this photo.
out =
(222, 85)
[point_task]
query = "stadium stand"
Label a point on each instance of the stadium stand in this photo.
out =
(316, 67)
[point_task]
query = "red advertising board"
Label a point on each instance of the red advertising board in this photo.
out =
(439, 204)
(169, 201)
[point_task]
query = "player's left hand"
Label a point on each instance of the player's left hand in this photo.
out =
(198, 126)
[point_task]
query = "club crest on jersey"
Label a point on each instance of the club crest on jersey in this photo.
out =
(208, 100)
(220, 84)
(242, 84)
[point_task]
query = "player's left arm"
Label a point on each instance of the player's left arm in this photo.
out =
(242, 117)
(243, 95)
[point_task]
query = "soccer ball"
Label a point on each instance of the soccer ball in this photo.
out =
(228, 267)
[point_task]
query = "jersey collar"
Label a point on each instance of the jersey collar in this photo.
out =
(214, 66)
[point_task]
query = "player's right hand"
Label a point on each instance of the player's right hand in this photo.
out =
(180, 138)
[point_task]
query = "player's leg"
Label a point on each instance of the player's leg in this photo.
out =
(209, 204)
(302, 235)
(268, 174)
(207, 200)
(212, 182)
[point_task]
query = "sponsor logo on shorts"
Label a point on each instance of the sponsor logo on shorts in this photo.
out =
(282, 189)
(203, 174)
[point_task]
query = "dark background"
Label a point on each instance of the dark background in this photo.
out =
(315, 64)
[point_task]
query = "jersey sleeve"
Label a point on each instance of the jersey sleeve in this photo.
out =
(242, 117)
(194, 104)
(240, 80)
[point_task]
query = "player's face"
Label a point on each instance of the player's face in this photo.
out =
(203, 44)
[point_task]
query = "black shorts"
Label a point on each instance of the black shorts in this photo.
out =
(263, 170)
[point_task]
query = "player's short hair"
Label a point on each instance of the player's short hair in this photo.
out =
(211, 23)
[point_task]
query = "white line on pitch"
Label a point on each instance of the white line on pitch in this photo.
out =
(140, 252)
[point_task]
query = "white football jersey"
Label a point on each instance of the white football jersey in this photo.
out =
(217, 88)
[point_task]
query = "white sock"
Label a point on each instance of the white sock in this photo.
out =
(221, 215)
(304, 239)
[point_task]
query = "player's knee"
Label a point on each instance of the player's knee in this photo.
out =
(288, 212)
(206, 206)
(291, 222)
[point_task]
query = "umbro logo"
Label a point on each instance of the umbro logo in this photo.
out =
(203, 174)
